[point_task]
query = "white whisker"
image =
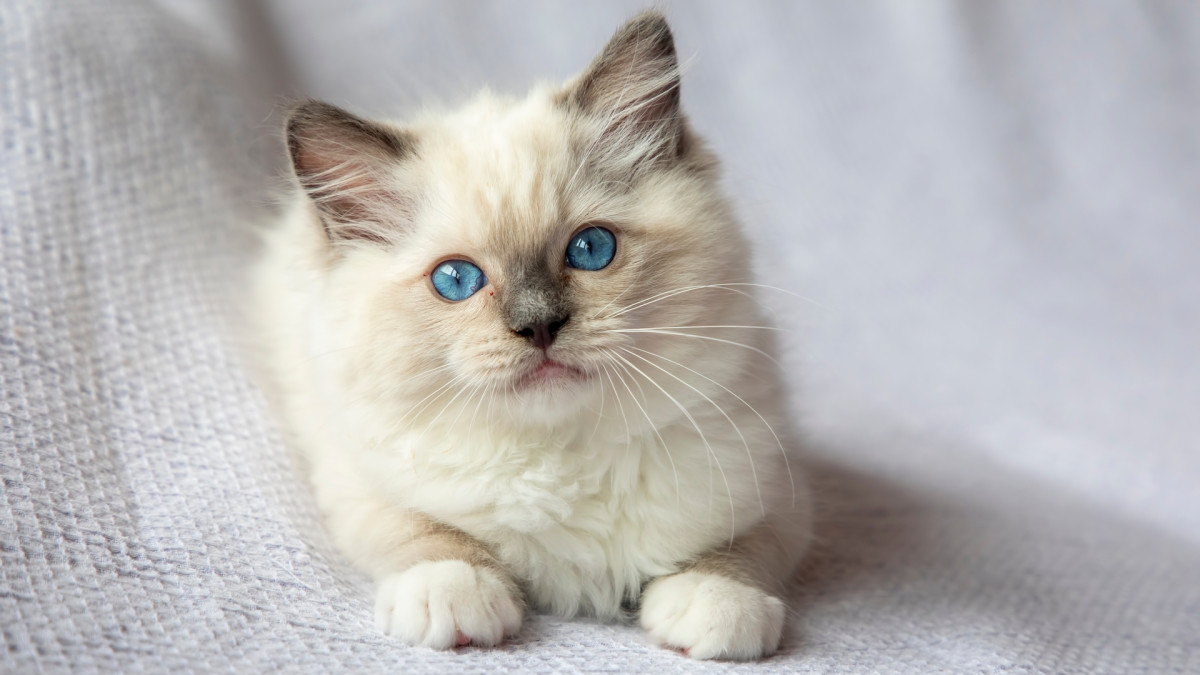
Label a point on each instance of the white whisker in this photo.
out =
(698, 337)
(621, 406)
(477, 389)
(487, 395)
(637, 277)
(749, 455)
(491, 401)
(731, 287)
(430, 423)
(599, 417)
(787, 463)
(703, 438)
(664, 295)
(414, 410)
(650, 328)
(654, 427)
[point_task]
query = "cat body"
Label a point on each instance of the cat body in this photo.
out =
(518, 347)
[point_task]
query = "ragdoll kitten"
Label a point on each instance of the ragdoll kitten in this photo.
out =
(518, 346)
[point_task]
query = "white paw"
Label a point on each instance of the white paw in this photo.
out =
(445, 604)
(712, 617)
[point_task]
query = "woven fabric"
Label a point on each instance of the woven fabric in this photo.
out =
(994, 208)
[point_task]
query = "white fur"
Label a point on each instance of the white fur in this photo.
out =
(710, 616)
(444, 603)
(402, 402)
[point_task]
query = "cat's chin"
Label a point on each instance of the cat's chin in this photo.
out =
(552, 391)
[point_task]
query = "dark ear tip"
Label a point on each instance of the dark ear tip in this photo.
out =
(651, 18)
(649, 27)
(296, 120)
(646, 36)
(311, 110)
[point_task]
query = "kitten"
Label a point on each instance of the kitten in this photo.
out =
(518, 346)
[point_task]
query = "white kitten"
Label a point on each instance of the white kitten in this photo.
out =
(519, 348)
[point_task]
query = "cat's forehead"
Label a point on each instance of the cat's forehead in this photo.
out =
(499, 173)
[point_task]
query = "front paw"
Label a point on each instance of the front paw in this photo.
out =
(712, 617)
(445, 604)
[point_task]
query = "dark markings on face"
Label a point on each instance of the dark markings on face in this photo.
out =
(535, 293)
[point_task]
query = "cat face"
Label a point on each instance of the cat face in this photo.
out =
(522, 250)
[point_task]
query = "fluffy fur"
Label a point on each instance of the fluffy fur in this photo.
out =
(653, 458)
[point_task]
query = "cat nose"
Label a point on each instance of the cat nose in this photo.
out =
(542, 333)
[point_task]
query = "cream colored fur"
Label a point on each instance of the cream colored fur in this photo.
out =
(669, 456)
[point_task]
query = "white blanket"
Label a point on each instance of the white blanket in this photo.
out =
(993, 208)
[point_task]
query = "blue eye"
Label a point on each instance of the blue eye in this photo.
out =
(457, 280)
(591, 249)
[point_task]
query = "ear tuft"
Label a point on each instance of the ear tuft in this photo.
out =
(634, 86)
(347, 167)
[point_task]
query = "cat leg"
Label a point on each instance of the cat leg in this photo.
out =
(436, 585)
(452, 592)
(727, 603)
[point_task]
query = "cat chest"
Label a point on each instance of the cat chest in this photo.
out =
(582, 531)
(581, 545)
(592, 557)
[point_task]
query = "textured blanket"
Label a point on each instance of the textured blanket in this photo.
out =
(992, 207)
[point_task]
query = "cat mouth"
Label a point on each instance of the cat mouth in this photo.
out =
(549, 373)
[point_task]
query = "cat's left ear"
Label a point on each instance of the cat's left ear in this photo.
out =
(349, 167)
(632, 88)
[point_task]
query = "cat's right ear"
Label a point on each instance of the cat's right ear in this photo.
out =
(633, 87)
(349, 166)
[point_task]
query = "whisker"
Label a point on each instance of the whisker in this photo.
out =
(786, 463)
(658, 297)
(731, 286)
(779, 289)
(645, 399)
(776, 328)
(637, 277)
(703, 438)
(749, 455)
(698, 337)
(621, 406)
(430, 423)
(429, 400)
(414, 410)
(401, 385)
(476, 389)
(664, 295)
(654, 427)
(488, 396)
(599, 417)
(491, 401)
